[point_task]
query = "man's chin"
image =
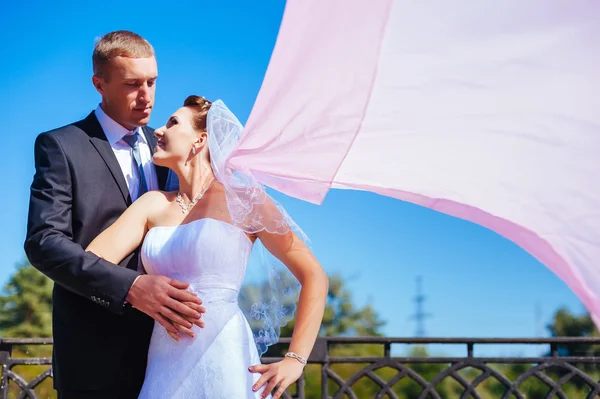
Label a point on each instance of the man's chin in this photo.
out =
(142, 121)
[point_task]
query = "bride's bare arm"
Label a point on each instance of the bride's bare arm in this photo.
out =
(127, 232)
(164, 299)
(290, 249)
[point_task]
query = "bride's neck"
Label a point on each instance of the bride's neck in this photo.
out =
(194, 178)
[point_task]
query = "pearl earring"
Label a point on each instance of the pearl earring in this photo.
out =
(194, 150)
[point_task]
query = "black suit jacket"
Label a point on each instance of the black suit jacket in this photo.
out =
(77, 192)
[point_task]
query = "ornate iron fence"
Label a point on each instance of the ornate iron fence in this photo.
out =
(357, 368)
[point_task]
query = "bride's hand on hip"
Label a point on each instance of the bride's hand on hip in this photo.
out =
(282, 374)
(168, 302)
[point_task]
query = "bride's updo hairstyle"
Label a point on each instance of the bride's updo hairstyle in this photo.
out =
(200, 106)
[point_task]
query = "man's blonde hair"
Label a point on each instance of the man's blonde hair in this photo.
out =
(121, 43)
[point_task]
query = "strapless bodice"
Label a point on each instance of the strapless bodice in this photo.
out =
(210, 254)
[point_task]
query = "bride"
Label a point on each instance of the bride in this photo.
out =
(204, 234)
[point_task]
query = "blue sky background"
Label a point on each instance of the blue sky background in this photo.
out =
(476, 282)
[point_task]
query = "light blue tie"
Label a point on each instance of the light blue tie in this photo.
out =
(133, 141)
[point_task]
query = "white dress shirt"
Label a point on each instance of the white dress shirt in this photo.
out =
(124, 153)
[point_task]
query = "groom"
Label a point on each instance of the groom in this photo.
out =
(86, 175)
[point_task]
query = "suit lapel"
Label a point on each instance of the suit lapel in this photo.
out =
(161, 173)
(99, 141)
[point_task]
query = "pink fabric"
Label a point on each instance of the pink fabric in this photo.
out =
(484, 110)
(528, 240)
(312, 96)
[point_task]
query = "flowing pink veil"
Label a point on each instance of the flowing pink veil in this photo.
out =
(485, 110)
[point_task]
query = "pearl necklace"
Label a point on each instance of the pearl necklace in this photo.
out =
(185, 208)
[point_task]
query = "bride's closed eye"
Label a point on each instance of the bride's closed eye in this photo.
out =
(172, 121)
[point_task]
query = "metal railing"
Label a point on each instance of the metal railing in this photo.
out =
(368, 368)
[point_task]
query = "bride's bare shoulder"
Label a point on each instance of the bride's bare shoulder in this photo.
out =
(154, 205)
(154, 202)
(158, 196)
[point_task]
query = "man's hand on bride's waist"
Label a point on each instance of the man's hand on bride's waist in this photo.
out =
(167, 301)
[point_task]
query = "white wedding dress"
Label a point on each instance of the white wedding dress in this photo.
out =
(212, 256)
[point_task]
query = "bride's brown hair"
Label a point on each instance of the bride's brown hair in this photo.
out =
(200, 106)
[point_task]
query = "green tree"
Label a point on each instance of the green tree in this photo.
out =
(564, 324)
(342, 317)
(26, 304)
(26, 312)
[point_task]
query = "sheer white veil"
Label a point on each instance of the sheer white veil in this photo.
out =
(270, 291)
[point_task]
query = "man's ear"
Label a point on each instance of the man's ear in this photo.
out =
(98, 83)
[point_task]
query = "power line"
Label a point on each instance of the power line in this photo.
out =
(420, 314)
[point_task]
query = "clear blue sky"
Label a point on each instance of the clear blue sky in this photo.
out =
(476, 283)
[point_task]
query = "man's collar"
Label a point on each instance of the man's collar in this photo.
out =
(113, 131)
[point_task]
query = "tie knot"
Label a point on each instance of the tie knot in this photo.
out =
(132, 139)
